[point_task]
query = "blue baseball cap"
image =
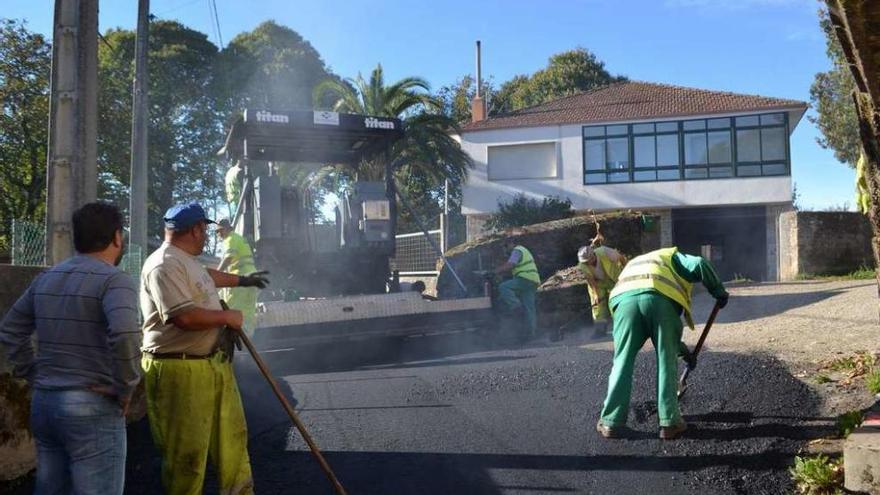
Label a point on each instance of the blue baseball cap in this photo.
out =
(184, 216)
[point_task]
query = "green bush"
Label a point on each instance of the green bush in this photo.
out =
(847, 422)
(817, 475)
(523, 210)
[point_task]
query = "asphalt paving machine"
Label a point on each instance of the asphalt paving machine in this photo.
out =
(330, 281)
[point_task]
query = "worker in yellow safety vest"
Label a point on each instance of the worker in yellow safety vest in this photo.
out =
(522, 287)
(651, 294)
(238, 259)
(601, 266)
(233, 179)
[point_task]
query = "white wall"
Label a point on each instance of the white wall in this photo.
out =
(482, 195)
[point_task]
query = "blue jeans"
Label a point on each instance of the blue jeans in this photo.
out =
(80, 437)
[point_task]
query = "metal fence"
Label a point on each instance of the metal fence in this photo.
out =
(29, 248)
(28, 243)
(414, 255)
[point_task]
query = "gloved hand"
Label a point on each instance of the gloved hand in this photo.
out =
(229, 339)
(256, 279)
(722, 300)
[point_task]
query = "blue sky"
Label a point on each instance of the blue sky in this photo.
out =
(766, 47)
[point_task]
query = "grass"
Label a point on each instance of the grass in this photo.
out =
(737, 277)
(817, 475)
(822, 378)
(872, 381)
(863, 273)
(847, 422)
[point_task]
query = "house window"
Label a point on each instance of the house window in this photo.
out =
(745, 146)
(523, 161)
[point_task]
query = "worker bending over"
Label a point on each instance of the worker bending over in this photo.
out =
(520, 290)
(601, 266)
(193, 403)
(651, 293)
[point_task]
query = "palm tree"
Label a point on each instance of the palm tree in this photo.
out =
(426, 152)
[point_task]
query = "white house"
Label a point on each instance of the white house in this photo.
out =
(715, 166)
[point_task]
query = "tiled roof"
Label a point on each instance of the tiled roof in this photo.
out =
(633, 100)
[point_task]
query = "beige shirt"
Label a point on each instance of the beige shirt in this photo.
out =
(173, 282)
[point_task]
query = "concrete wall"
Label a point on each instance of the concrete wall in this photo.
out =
(482, 195)
(823, 243)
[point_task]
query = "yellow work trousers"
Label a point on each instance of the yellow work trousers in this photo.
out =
(243, 299)
(195, 412)
(601, 312)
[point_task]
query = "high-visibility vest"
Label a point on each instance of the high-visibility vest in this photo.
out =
(526, 268)
(239, 251)
(654, 271)
(611, 269)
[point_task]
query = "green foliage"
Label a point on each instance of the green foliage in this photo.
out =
(185, 128)
(423, 159)
(456, 98)
(872, 380)
(25, 60)
(270, 67)
(567, 73)
(822, 378)
(847, 422)
(818, 475)
(863, 273)
(523, 210)
(831, 96)
(737, 277)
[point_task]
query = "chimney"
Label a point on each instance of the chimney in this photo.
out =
(478, 106)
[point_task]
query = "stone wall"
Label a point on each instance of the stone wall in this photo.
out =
(563, 295)
(17, 454)
(823, 243)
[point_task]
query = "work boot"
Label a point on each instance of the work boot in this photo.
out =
(608, 431)
(674, 431)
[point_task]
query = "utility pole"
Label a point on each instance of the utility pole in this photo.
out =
(140, 118)
(71, 170)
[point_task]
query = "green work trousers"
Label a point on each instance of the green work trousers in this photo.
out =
(518, 292)
(195, 412)
(243, 299)
(638, 318)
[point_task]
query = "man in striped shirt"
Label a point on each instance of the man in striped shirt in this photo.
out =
(87, 362)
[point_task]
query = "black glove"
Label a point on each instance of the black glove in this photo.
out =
(722, 300)
(256, 279)
(229, 339)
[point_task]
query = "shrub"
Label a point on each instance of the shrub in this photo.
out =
(523, 210)
(817, 475)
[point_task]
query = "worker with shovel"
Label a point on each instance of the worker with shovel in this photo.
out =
(651, 294)
(193, 403)
(601, 266)
(521, 288)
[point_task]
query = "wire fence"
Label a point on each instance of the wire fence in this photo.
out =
(29, 248)
(415, 255)
(28, 243)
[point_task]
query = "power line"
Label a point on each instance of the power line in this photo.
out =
(212, 4)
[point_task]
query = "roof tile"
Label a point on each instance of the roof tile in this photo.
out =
(633, 100)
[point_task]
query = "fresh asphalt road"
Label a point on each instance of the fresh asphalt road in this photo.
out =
(456, 414)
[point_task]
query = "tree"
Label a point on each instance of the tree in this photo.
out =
(567, 73)
(456, 98)
(25, 60)
(270, 67)
(426, 155)
(185, 128)
(831, 96)
(854, 25)
(523, 210)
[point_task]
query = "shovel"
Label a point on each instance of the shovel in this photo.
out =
(682, 382)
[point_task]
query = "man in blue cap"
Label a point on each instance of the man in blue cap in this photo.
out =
(193, 403)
